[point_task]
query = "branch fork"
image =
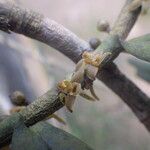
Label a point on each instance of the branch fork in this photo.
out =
(86, 69)
(60, 38)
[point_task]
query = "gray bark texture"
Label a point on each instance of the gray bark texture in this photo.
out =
(33, 25)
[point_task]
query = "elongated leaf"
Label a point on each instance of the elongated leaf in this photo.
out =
(25, 139)
(139, 47)
(58, 139)
(142, 38)
(143, 69)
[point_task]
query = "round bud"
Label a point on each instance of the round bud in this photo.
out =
(103, 25)
(18, 98)
(94, 42)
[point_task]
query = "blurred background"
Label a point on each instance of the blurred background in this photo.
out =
(34, 68)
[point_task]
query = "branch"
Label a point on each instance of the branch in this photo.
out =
(31, 24)
(41, 108)
(34, 25)
(125, 20)
(137, 101)
(120, 31)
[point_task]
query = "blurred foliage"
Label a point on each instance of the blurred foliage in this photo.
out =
(25, 139)
(143, 68)
(43, 136)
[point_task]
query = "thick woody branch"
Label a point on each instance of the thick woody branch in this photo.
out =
(13, 18)
(41, 108)
(119, 32)
(131, 95)
(111, 75)
(34, 25)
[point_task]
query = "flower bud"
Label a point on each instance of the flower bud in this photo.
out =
(103, 25)
(18, 98)
(94, 42)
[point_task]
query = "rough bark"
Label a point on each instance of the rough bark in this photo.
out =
(31, 24)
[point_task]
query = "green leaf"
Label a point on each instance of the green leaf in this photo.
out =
(143, 38)
(58, 139)
(143, 69)
(139, 47)
(25, 139)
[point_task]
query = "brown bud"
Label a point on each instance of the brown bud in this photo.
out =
(94, 42)
(103, 25)
(18, 98)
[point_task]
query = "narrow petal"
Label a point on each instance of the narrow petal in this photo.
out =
(93, 93)
(86, 96)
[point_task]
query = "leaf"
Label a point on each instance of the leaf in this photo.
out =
(25, 139)
(143, 69)
(86, 96)
(143, 38)
(139, 47)
(58, 139)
